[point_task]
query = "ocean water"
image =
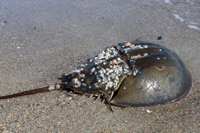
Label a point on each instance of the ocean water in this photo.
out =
(185, 12)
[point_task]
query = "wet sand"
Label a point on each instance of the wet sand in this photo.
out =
(39, 41)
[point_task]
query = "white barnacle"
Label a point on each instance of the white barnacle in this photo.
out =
(136, 57)
(107, 56)
(82, 75)
(66, 74)
(134, 73)
(90, 60)
(97, 62)
(113, 75)
(120, 68)
(107, 73)
(132, 45)
(103, 52)
(117, 78)
(115, 52)
(101, 75)
(108, 50)
(127, 44)
(104, 80)
(120, 61)
(126, 66)
(101, 56)
(104, 71)
(137, 46)
(96, 85)
(118, 47)
(110, 71)
(84, 84)
(127, 49)
(145, 54)
(115, 84)
(99, 80)
(51, 87)
(126, 71)
(109, 78)
(145, 46)
(115, 61)
(109, 85)
(107, 69)
(111, 62)
(76, 82)
(158, 58)
(95, 73)
(93, 69)
(100, 71)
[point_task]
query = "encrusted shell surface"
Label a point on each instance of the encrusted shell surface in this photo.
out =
(139, 74)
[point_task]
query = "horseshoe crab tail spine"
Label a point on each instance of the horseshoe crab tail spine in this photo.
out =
(43, 89)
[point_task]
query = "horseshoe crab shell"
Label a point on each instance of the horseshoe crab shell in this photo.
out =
(133, 74)
(162, 78)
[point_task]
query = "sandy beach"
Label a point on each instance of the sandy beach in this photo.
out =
(41, 40)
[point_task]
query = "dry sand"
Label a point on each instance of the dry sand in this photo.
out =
(40, 40)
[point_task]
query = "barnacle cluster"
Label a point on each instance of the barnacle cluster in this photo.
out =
(107, 70)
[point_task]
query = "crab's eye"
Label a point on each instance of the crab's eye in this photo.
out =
(160, 67)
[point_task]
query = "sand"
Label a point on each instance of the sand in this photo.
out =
(41, 40)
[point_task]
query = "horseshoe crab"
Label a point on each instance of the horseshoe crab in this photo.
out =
(129, 74)
(134, 74)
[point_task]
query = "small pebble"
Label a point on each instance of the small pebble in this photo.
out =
(148, 111)
(159, 37)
